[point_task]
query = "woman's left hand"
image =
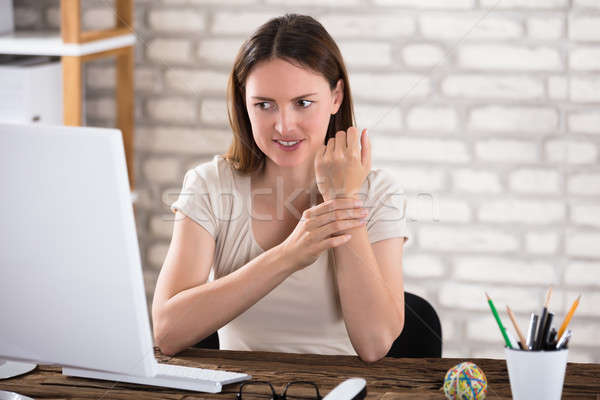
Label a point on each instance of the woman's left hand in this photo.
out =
(341, 166)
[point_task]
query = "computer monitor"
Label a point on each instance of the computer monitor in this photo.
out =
(71, 283)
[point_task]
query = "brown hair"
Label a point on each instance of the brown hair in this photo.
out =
(301, 40)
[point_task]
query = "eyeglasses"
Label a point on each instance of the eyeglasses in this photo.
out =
(263, 390)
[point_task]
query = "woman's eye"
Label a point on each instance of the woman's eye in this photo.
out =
(264, 105)
(304, 103)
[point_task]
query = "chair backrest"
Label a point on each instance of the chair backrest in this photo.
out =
(421, 336)
(422, 333)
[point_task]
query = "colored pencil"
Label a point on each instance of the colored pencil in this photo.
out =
(565, 323)
(514, 321)
(497, 317)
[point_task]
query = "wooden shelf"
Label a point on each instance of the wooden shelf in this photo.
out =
(51, 44)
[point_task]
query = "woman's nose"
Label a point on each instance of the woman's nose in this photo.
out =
(285, 123)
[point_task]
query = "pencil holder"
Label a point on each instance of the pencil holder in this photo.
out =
(536, 374)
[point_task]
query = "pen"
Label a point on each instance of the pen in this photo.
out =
(514, 321)
(542, 323)
(531, 332)
(563, 326)
(564, 339)
(497, 317)
(549, 318)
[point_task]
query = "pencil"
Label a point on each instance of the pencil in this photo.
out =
(542, 325)
(514, 321)
(568, 317)
(497, 317)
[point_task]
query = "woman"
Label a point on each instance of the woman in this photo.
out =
(299, 263)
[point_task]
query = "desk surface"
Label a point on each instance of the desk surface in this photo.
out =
(388, 379)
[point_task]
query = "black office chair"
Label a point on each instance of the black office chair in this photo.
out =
(421, 336)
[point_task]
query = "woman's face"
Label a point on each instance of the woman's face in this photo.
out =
(292, 104)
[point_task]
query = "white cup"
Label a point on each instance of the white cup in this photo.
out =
(536, 374)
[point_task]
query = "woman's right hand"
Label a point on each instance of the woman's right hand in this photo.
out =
(320, 228)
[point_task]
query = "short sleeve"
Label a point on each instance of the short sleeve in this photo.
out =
(386, 203)
(196, 199)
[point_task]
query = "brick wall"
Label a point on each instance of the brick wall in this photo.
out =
(489, 106)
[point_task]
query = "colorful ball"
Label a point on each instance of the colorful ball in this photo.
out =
(465, 381)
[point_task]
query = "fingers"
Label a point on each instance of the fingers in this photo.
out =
(353, 214)
(352, 138)
(331, 205)
(340, 142)
(365, 152)
(336, 241)
(339, 226)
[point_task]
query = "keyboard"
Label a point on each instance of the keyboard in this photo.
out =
(171, 376)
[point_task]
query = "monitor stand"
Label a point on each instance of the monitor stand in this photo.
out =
(9, 369)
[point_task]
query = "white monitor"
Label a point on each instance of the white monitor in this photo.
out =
(71, 283)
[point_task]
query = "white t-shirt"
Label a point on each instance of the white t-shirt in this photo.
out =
(303, 313)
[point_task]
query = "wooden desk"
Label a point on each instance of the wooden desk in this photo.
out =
(388, 379)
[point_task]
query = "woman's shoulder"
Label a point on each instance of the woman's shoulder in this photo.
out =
(216, 172)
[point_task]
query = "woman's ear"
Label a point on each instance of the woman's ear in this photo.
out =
(337, 96)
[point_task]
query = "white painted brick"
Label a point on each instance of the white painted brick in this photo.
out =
(169, 50)
(541, 242)
(25, 17)
(402, 148)
(161, 170)
(485, 328)
(214, 112)
(101, 107)
(583, 334)
(531, 4)
(506, 57)
(98, 18)
(584, 122)
(219, 51)
(583, 244)
(196, 81)
(423, 55)
(239, 22)
(415, 288)
(558, 87)
(361, 54)
(147, 79)
(449, 27)
(472, 297)
(422, 266)
(572, 152)
(511, 119)
(588, 306)
(504, 269)
(53, 17)
(207, 2)
(156, 254)
(184, 141)
(389, 86)
(336, 3)
(381, 117)
(172, 109)
(584, 28)
(585, 89)
(539, 181)
(162, 225)
(454, 210)
(414, 179)
(493, 86)
(476, 181)
(584, 183)
(430, 4)
(522, 211)
(586, 4)
(432, 119)
(585, 59)
(177, 20)
(497, 150)
(471, 239)
(583, 214)
(100, 76)
(575, 356)
(365, 26)
(423, 207)
(545, 28)
(583, 273)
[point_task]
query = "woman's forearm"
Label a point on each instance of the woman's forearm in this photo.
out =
(373, 317)
(194, 313)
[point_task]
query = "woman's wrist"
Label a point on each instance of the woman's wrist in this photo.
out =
(284, 259)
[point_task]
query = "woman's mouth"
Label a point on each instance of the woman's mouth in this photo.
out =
(288, 145)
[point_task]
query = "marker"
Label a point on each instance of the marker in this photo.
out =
(549, 319)
(531, 331)
(497, 317)
(562, 342)
(565, 323)
(542, 323)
